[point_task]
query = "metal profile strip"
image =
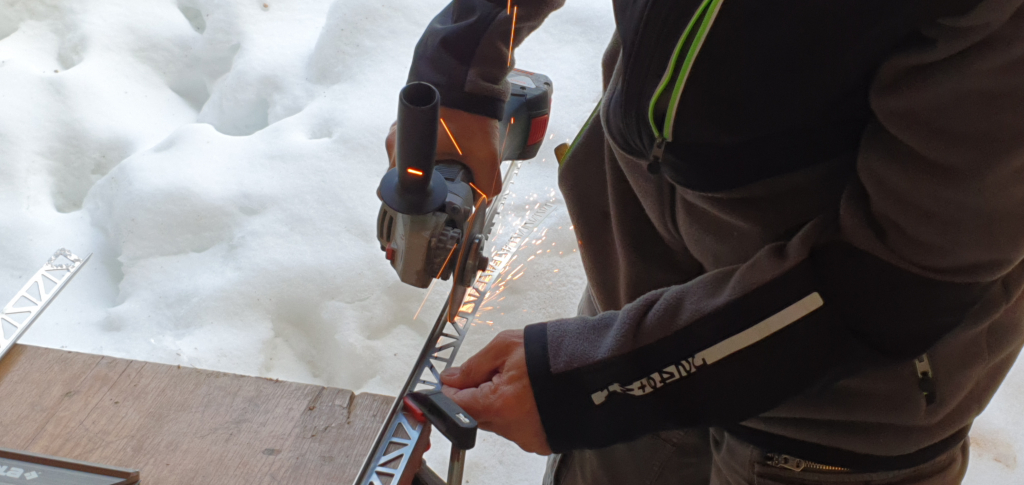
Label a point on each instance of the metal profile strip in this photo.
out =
(15, 320)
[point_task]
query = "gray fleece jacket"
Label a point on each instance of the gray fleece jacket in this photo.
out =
(823, 254)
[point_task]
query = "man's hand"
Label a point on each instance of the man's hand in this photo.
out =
(477, 138)
(493, 386)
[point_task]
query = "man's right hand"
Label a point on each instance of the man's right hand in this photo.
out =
(477, 139)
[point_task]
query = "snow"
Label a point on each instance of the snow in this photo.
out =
(219, 159)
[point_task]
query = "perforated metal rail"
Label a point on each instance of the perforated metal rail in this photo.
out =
(26, 306)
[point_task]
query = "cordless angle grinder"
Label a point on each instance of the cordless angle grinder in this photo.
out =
(431, 226)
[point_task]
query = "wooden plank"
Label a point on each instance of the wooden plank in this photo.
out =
(86, 394)
(32, 388)
(335, 434)
(183, 425)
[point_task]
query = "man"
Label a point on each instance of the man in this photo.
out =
(802, 224)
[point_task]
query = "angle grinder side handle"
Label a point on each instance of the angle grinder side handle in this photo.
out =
(419, 106)
(411, 187)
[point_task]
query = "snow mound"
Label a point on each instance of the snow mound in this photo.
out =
(219, 159)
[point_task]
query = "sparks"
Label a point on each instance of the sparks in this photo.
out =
(445, 125)
(443, 265)
(478, 191)
(418, 173)
(430, 288)
(511, 39)
(504, 140)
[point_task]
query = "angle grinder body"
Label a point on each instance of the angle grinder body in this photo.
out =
(430, 226)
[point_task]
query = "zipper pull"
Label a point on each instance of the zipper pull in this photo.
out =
(926, 382)
(654, 167)
(786, 461)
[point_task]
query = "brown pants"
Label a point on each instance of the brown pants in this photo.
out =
(713, 457)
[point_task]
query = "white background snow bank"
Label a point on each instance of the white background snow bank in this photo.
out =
(219, 158)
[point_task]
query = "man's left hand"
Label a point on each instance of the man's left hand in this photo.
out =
(493, 386)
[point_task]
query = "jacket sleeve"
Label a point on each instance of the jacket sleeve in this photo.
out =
(464, 52)
(929, 234)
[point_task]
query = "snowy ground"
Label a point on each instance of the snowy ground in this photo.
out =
(219, 159)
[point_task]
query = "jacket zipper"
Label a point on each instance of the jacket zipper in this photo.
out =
(658, 16)
(925, 379)
(797, 464)
(705, 17)
(654, 167)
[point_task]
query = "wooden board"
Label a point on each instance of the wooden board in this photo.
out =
(180, 425)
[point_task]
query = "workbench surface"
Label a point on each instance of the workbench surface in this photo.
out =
(180, 425)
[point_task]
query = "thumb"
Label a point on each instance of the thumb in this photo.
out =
(481, 367)
(476, 401)
(472, 373)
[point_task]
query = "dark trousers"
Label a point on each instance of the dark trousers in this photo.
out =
(713, 457)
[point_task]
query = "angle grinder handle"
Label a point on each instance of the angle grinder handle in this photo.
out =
(411, 188)
(419, 107)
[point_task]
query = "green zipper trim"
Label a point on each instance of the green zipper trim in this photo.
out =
(706, 14)
(576, 140)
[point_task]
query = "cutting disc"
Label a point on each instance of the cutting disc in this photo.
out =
(469, 252)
